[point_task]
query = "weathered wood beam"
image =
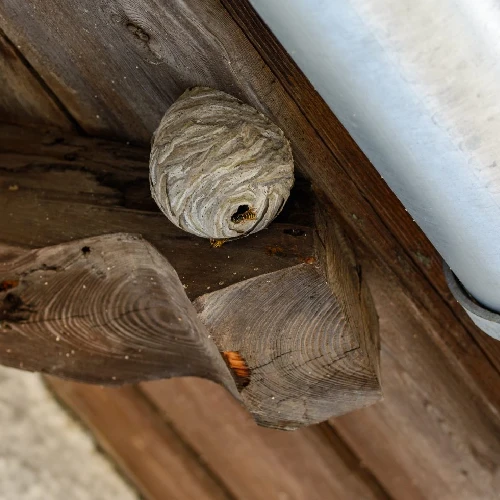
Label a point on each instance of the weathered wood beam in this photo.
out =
(142, 78)
(302, 342)
(107, 310)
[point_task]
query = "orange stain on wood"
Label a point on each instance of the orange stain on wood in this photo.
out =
(8, 285)
(275, 251)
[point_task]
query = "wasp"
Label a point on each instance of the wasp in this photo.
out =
(248, 214)
(236, 362)
(215, 243)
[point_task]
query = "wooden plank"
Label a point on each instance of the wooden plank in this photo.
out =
(143, 445)
(65, 187)
(431, 437)
(23, 97)
(257, 463)
(430, 374)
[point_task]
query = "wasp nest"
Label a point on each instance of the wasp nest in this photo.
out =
(219, 168)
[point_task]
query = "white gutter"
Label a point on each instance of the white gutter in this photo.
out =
(417, 85)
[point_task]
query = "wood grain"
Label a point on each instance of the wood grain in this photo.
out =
(257, 463)
(149, 451)
(410, 255)
(108, 310)
(23, 97)
(336, 375)
(432, 436)
(303, 342)
(151, 53)
(132, 111)
(69, 187)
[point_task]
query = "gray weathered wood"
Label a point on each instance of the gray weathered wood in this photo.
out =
(108, 310)
(302, 342)
(297, 350)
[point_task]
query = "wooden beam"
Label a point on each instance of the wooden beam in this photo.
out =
(407, 253)
(432, 436)
(142, 443)
(65, 187)
(302, 342)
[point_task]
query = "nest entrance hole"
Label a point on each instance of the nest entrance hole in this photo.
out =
(240, 213)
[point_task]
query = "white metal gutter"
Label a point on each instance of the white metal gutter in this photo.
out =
(417, 85)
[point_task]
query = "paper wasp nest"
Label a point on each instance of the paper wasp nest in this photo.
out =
(219, 168)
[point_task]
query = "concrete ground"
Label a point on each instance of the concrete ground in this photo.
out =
(44, 453)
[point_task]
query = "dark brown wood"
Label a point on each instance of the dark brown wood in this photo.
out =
(108, 309)
(68, 187)
(257, 463)
(209, 49)
(432, 436)
(23, 98)
(144, 446)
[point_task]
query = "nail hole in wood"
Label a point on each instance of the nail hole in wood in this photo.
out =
(138, 32)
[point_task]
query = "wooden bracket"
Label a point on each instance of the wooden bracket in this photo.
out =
(107, 310)
(286, 308)
(302, 342)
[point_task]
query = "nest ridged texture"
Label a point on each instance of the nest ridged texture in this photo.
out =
(219, 168)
